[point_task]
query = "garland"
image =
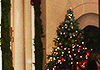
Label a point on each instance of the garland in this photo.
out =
(5, 38)
(38, 35)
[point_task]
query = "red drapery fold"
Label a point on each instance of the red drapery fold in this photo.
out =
(98, 67)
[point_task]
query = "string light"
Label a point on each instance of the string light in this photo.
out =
(72, 49)
(78, 50)
(58, 48)
(70, 36)
(61, 33)
(58, 38)
(62, 55)
(85, 48)
(74, 54)
(65, 27)
(57, 57)
(65, 24)
(76, 31)
(60, 62)
(69, 16)
(65, 48)
(80, 56)
(76, 62)
(77, 45)
(55, 49)
(61, 46)
(71, 58)
(82, 42)
(64, 33)
(83, 66)
(49, 60)
(73, 46)
(71, 62)
(68, 48)
(68, 51)
(50, 57)
(54, 58)
(75, 40)
(86, 57)
(56, 52)
(91, 49)
(62, 27)
(62, 52)
(71, 23)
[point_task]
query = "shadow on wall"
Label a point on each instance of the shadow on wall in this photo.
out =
(88, 19)
(92, 37)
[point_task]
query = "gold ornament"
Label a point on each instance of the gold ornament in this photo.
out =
(72, 27)
(82, 37)
(80, 33)
(72, 41)
(69, 39)
(60, 43)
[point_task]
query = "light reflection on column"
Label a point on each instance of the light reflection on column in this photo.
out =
(33, 35)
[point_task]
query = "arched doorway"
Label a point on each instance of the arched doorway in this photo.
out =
(88, 19)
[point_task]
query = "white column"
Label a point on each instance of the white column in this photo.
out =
(19, 48)
(33, 36)
(28, 35)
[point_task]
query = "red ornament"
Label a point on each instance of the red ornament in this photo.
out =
(79, 49)
(80, 63)
(77, 67)
(87, 53)
(54, 68)
(83, 66)
(72, 68)
(62, 59)
(85, 61)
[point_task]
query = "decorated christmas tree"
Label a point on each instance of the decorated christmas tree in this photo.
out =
(70, 52)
